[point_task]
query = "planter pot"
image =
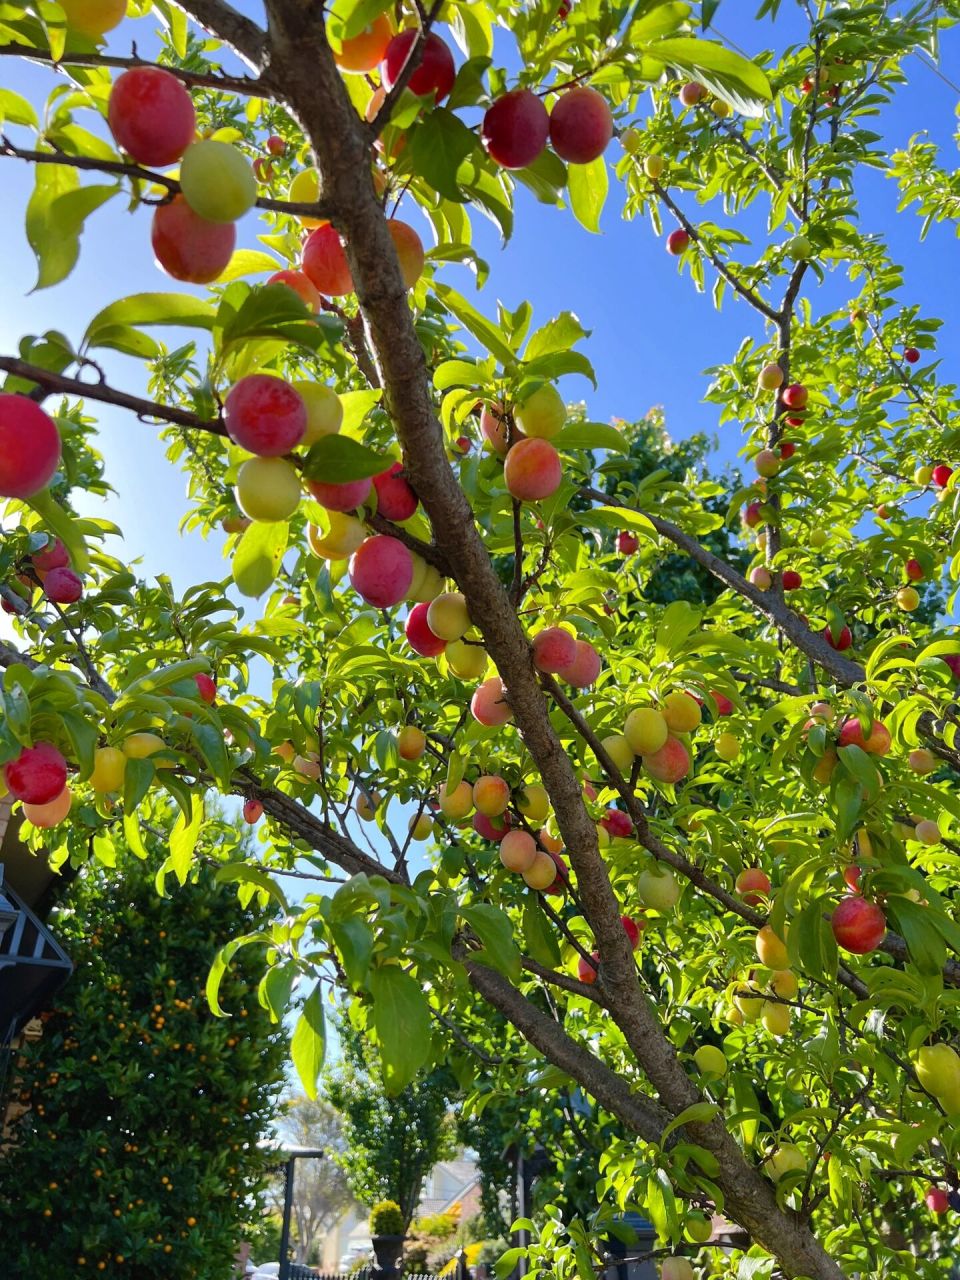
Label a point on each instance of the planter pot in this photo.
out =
(387, 1250)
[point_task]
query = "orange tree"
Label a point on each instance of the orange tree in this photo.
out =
(764, 781)
(138, 1154)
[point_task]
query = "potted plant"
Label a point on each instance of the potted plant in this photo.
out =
(387, 1234)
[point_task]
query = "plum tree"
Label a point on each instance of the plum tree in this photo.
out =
(477, 626)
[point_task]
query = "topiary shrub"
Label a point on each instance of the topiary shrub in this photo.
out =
(386, 1219)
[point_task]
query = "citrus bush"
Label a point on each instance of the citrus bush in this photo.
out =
(697, 855)
(138, 1155)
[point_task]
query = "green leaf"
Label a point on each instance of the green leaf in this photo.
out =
(83, 737)
(810, 942)
(659, 21)
(248, 262)
(15, 713)
(696, 1113)
(308, 1044)
(591, 435)
(457, 373)
(927, 948)
(150, 308)
(546, 177)
(729, 75)
(247, 874)
(539, 937)
(559, 334)
(59, 521)
(210, 742)
(183, 839)
(440, 145)
(678, 622)
(273, 311)
(258, 556)
(660, 1204)
(275, 988)
(56, 212)
(354, 941)
(587, 185)
(137, 777)
(15, 109)
(338, 459)
(494, 929)
(486, 333)
(401, 1018)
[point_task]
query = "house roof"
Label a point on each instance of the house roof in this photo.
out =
(463, 1173)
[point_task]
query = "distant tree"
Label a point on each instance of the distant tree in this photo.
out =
(321, 1191)
(138, 1157)
(391, 1142)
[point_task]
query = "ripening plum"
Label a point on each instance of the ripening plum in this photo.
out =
(409, 249)
(62, 586)
(876, 743)
(151, 116)
(581, 125)
(29, 447)
(305, 189)
(542, 872)
(494, 428)
(37, 775)
(252, 811)
(51, 814)
(457, 802)
(466, 660)
(264, 415)
(325, 263)
(267, 489)
(771, 949)
(859, 926)
(109, 768)
(489, 705)
(300, 285)
(448, 616)
(554, 649)
(427, 583)
(494, 829)
(381, 570)
(53, 556)
(542, 414)
(435, 72)
(515, 129)
(188, 247)
(419, 636)
(324, 409)
(362, 52)
(411, 742)
(681, 711)
(93, 18)
(518, 851)
(341, 497)
(491, 795)
(585, 667)
(342, 539)
(646, 730)
(395, 499)
(670, 763)
(533, 802)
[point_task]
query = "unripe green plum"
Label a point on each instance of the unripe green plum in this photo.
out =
(818, 538)
(620, 752)
(787, 1158)
(799, 248)
(421, 826)
(448, 616)
(217, 181)
(542, 414)
(676, 1268)
(468, 661)
(938, 1070)
(268, 489)
(324, 409)
(710, 1060)
(697, 1226)
(345, 534)
(654, 166)
(771, 949)
(658, 889)
(775, 1017)
(534, 803)
(727, 746)
(646, 730)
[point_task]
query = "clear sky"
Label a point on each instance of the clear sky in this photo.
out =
(652, 334)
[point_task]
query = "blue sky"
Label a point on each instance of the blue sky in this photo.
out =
(652, 334)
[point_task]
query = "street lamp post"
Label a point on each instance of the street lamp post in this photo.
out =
(289, 1157)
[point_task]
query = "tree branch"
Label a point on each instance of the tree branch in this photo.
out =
(230, 26)
(247, 85)
(382, 118)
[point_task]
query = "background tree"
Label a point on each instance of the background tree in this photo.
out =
(390, 1141)
(322, 1194)
(138, 1155)
(790, 730)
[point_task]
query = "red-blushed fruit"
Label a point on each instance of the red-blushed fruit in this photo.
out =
(395, 499)
(491, 828)
(852, 876)
(911, 355)
(189, 248)
(627, 542)
(151, 116)
(252, 811)
(325, 263)
(37, 775)
(561, 881)
(206, 687)
(791, 580)
(751, 515)
(724, 704)
(276, 145)
(532, 470)
(49, 815)
(518, 851)
(616, 823)
(62, 586)
(435, 72)
(263, 170)
(633, 928)
(877, 743)
(587, 969)
(858, 925)
(795, 396)
(29, 447)
(381, 570)
(554, 649)
(409, 249)
(515, 129)
(941, 475)
(914, 570)
(341, 497)
(563, 10)
(581, 125)
(691, 93)
(753, 885)
(264, 415)
(489, 705)
(419, 636)
(787, 450)
(585, 667)
(953, 662)
(464, 444)
(670, 764)
(936, 1200)
(678, 241)
(53, 556)
(493, 427)
(305, 290)
(843, 641)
